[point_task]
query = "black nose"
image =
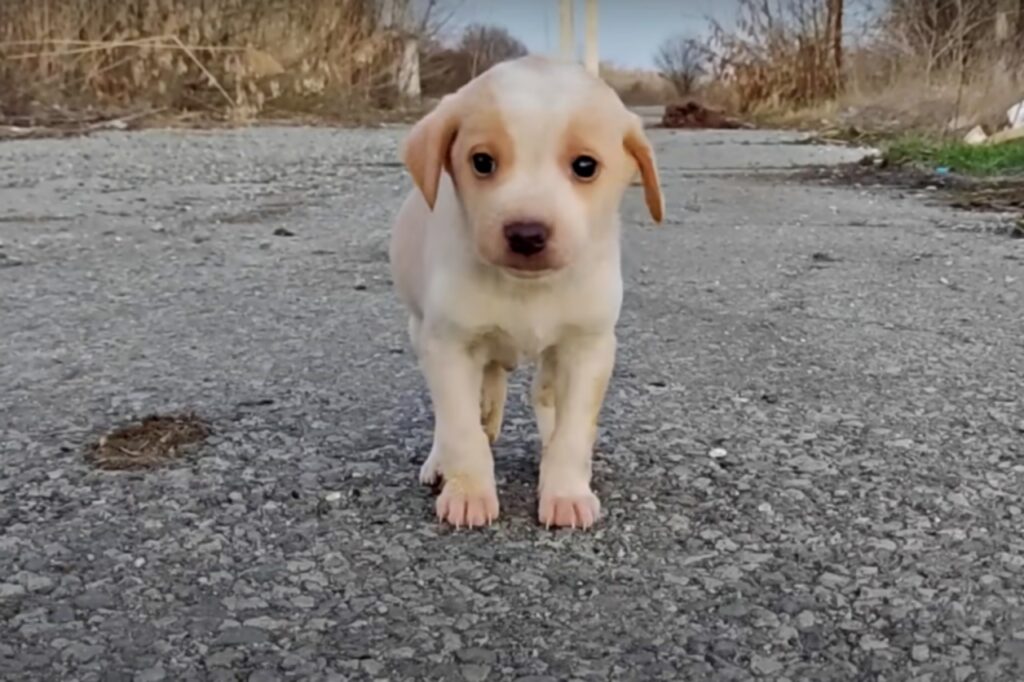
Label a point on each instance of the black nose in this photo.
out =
(526, 238)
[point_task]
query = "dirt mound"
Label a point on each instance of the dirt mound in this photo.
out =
(695, 115)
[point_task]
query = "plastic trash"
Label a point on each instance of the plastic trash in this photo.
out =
(1015, 115)
(976, 136)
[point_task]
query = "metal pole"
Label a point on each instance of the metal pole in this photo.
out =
(591, 55)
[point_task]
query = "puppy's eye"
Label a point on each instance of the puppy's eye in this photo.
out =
(584, 167)
(483, 164)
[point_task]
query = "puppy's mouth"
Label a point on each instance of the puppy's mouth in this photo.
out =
(527, 268)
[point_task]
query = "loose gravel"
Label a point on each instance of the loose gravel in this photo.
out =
(811, 458)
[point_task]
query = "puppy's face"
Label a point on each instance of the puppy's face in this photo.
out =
(540, 154)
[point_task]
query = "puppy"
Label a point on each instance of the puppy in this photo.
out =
(507, 250)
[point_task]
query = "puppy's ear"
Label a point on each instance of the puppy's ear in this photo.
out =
(425, 150)
(639, 148)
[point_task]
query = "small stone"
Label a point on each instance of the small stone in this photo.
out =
(154, 674)
(241, 635)
(718, 453)
(283, 232)
(475, 655)
(920, 653)
(37, 583)
(94, 600)
(962, 672)
(8, 590)
(764, 665)
(264, 676)
(224, 659)
(872, 643)
(82, 653)
(989, 580)
(805, 620)
(475, 673)
(333, 496)
(62, 614)
(833, 580)
(267, 623)
(786, 633)
(726, 545)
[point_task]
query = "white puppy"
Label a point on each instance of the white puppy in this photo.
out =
(508, 250)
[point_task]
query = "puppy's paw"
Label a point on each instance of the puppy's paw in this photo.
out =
(568, 508)
(430, 472)
(465, 502)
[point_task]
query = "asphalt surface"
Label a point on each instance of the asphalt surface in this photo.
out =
(811, 459)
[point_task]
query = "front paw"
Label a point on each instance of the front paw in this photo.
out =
(468, 501)
(565, 503)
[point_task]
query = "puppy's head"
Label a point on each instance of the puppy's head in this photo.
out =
(540, 153)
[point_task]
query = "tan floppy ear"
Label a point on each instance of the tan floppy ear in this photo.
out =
(639, 148)
(426, 148)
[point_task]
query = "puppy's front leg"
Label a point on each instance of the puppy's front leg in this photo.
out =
(454, 376)
(582, 370)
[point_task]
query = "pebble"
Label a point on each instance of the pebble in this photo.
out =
(241, 635)
(475, 673)
(475, 655)
(764, 665)
(8, 590)
(873, 643)
(154, 674)
(833, 580)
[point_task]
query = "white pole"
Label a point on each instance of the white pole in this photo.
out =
(567, 34)
(591, 55)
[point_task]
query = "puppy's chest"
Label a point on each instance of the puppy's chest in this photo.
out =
(511, 345)
(512, 331)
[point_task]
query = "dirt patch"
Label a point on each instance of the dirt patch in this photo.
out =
(989, 195)
(154, 441)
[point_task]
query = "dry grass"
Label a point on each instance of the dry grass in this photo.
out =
(638, 87)
(920, 66)
(233, 58)
(778, 55)
(152, 442)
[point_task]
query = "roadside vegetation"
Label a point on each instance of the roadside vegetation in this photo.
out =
(936, 154)
(918, 74)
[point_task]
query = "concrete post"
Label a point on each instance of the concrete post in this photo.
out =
(591, 55)
(566, 30)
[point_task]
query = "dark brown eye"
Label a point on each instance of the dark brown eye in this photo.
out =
(483, 164)
(584, 167)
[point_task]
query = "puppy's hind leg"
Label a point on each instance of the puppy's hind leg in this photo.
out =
(492, 399)
(430, 471)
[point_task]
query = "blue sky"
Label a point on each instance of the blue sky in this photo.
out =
(630, 30)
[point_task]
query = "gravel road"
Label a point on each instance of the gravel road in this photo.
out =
(811, 457)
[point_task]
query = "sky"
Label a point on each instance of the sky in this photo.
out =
(629, 30)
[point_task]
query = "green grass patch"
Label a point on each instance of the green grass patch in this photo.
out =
(958, 157)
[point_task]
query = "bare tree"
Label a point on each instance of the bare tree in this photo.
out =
(834, 38)
(681, 61)
(485, 46)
